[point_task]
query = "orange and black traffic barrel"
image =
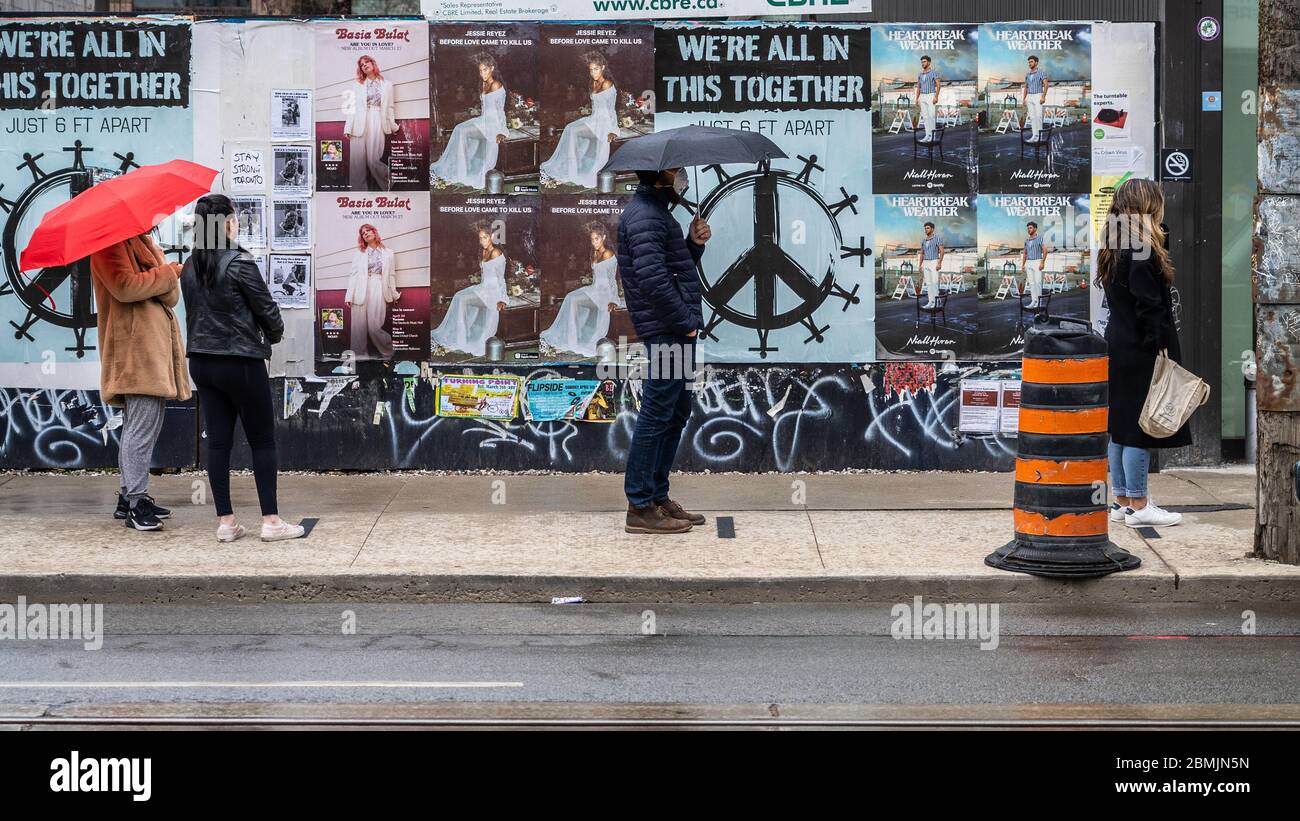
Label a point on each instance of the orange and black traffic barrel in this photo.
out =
(1061, 521)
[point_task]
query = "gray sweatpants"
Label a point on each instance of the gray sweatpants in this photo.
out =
(142, 420)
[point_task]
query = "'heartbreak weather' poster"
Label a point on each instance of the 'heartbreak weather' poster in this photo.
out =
(372, 106)
(787, 275)
(924, 108)
(371, 266)
(1036, 79)
(1036, 258)
(927, 267)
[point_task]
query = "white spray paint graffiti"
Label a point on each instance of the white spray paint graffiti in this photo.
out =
(53, 428)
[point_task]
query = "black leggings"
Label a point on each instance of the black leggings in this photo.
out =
(230, 387)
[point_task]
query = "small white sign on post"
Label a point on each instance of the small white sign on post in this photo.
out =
(245, 169)
(1011, 406)
(980, 400)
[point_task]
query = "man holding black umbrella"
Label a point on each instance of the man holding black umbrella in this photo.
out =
(659, 266)
(656, 261)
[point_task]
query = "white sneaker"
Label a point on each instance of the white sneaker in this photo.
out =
(1118, 511)
(1152, 516)
(280, 532)
(228, 533)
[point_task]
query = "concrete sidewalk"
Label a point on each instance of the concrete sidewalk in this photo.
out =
(798, 537)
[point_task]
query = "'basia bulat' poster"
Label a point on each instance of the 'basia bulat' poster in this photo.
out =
(372, 106)
(80, 102)
(787, 275)
(371, 264)
(924, 104)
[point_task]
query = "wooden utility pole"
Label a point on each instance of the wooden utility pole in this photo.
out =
(1277, 282)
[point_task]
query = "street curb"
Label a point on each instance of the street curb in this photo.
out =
(398, 588)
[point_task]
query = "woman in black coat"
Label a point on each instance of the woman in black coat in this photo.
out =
(232, 322)
(1134, 269)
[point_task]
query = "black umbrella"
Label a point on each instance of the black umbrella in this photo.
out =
(692, 145)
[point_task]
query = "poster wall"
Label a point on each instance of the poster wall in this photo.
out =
(786, 277)
(372, 106)
(597, 92)
(582, 296)
(927, 276)
(925, 104)
(814, 258)
(1036, 82)
(485, 280)
(79, 102)
(483, 107)
(371, 263)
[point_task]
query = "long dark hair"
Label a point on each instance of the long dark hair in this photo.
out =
(484, 59)
(1133, 224)
(210, 215)
(597, 58)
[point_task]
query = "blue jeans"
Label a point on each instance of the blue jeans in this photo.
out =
(665, 406)
(1128, 470)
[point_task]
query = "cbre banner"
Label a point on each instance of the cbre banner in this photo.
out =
(522, 10)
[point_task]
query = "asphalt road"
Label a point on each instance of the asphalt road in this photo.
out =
(163, 657)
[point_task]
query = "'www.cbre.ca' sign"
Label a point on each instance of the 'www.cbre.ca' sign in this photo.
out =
(520, 10)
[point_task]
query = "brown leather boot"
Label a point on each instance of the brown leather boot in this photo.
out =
(652, 519)
(676, 511)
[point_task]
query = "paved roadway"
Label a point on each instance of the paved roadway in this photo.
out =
(703, 660)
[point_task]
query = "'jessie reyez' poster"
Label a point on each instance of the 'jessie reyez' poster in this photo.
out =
(582, 296)
(485, 280)
(597, 92)
(484, 108)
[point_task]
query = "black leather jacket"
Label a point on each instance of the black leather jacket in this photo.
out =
(236, 315)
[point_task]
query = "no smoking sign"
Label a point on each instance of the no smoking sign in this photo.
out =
(1176, 164)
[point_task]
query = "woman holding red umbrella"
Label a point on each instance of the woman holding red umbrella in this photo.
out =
(142, 360)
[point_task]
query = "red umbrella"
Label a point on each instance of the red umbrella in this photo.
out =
(116, 209)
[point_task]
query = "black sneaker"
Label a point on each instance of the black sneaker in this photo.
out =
(123, 506)
(142, 517)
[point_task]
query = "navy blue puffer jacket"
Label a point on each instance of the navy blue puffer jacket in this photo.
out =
(657, 265)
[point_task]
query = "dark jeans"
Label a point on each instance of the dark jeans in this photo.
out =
(233, 387)
(665, 406)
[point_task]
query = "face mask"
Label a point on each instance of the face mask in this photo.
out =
(680, 184)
